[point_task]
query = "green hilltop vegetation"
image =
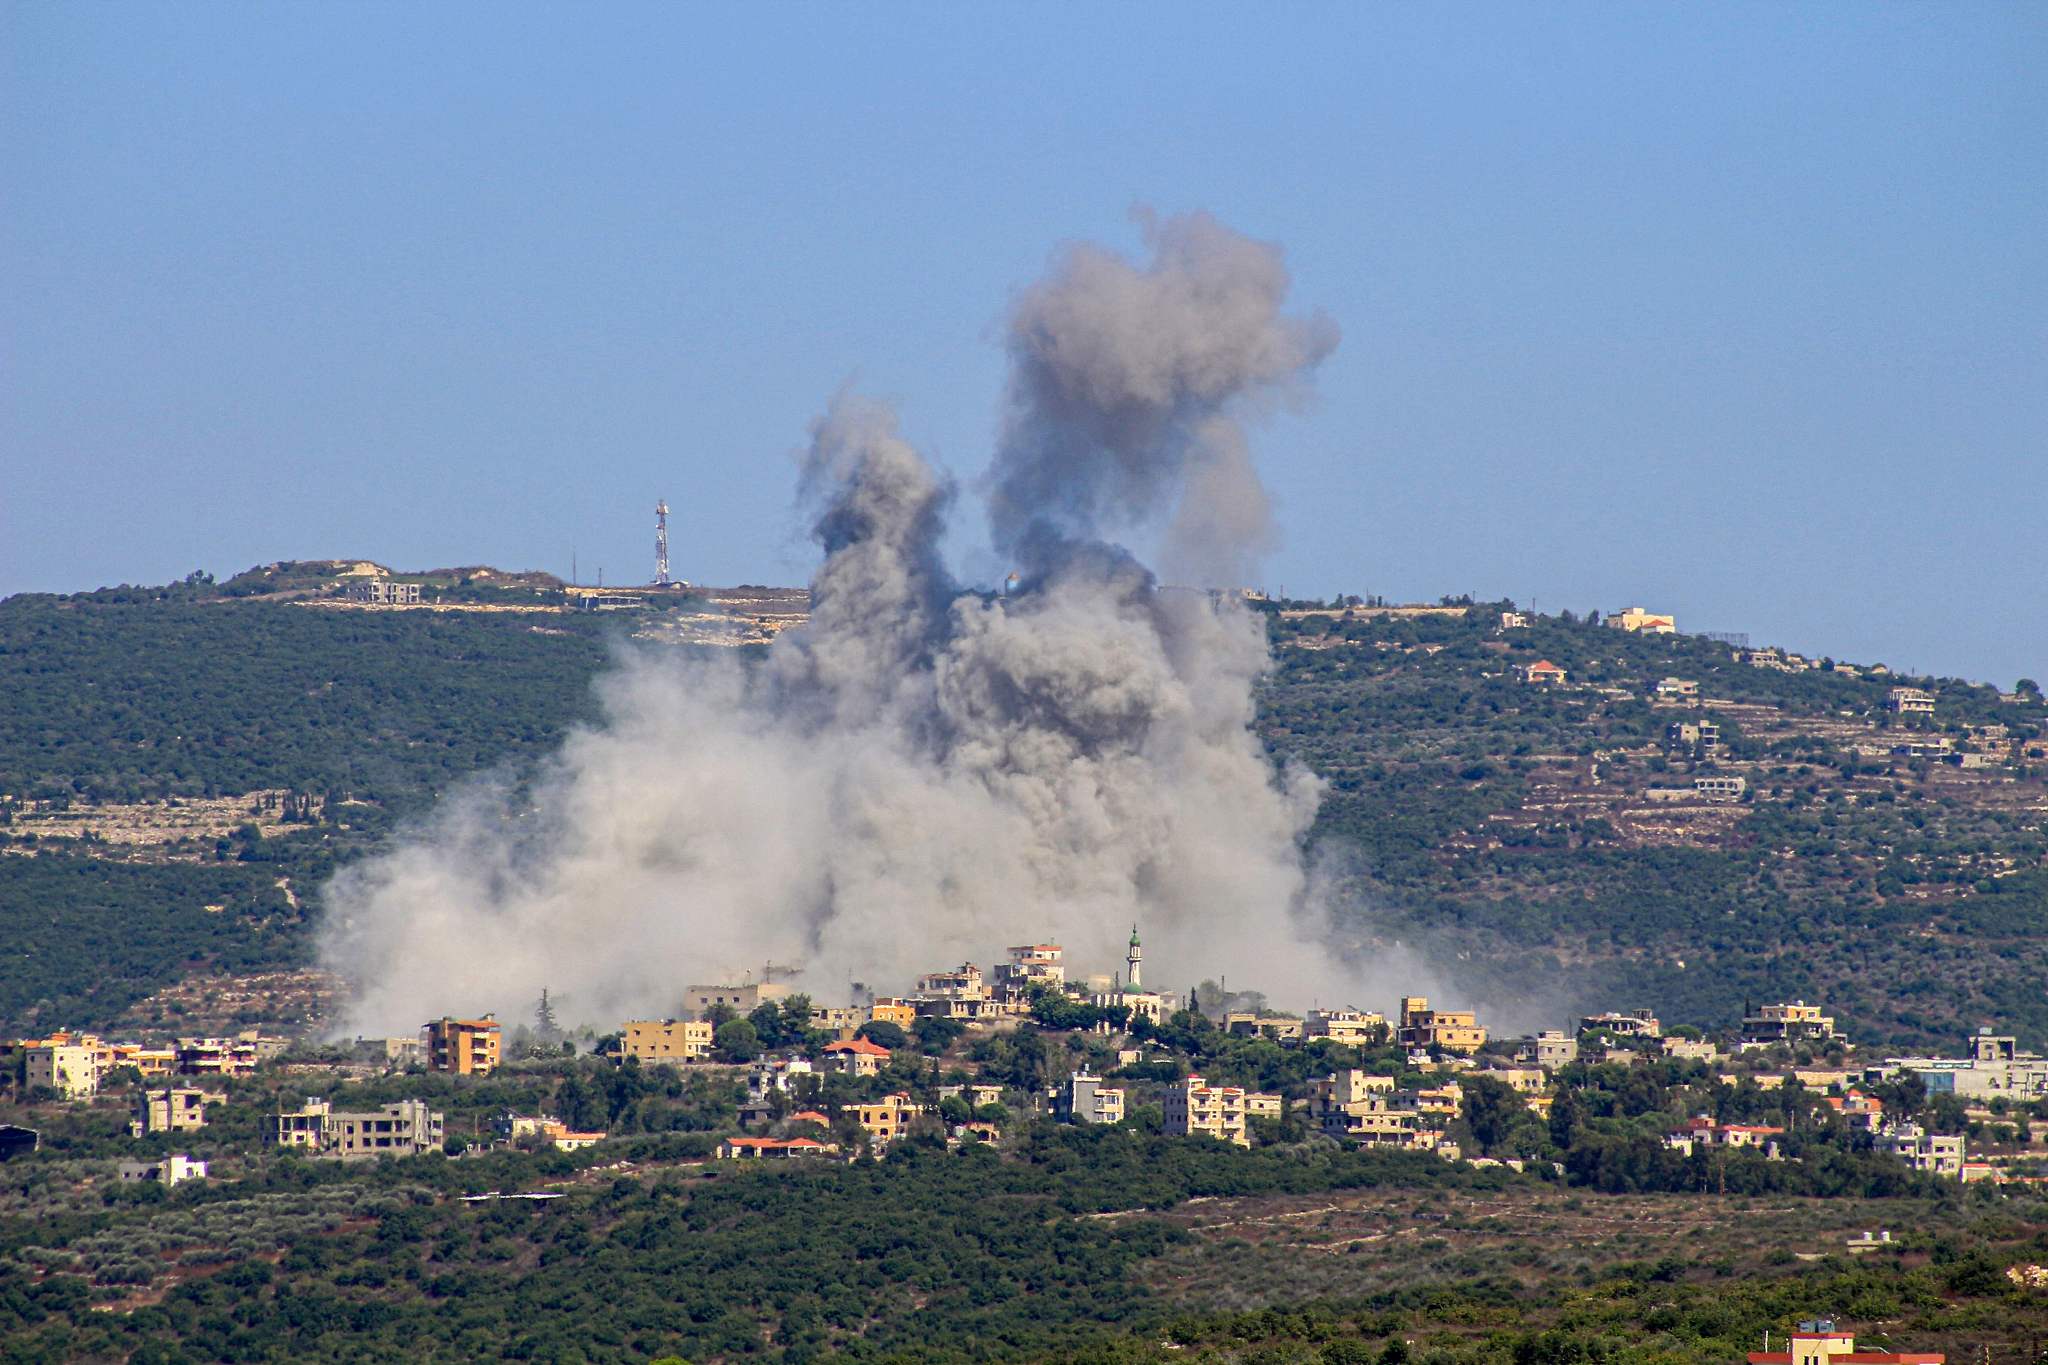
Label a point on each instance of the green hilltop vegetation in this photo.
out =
(1527, 834)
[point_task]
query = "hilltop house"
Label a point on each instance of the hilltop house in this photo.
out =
(1636, 619)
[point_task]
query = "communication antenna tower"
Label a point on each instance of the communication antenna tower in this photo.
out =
(661, 544)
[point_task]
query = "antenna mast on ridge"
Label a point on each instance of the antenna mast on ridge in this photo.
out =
(661, 544)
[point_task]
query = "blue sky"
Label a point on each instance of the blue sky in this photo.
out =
(1735, 311)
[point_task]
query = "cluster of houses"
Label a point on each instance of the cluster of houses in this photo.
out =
(1443, 1052)
(73, 1067)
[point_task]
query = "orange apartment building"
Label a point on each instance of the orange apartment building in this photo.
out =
(462, 1047)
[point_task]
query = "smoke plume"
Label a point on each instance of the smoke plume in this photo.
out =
(922, 775)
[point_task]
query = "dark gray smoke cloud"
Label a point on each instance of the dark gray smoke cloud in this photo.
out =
(922, 776)
(1128, 383)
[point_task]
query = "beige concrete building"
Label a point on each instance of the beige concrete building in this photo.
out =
(462, 1047)
(1356, 1106)
(1259, 1104)
(1353, 1028)
(1031, 965)
(741, 999)
(236, 1056)
(1927, 1153)
(407, 1128)
(843, 1020)
(1636, 619)
(403, 1129)
(974, 1096)
(304, 1127)
(70, 1069)
(1789, 1023)
(1217, 1111)
(1624, 1024)
(1450, 1030)
(1251, 1025)
(548, 1128)
(173, 1109)
(167, 1171)
(667, 1040)
(1909, 701)
(1551, 1050)
(1693, 738)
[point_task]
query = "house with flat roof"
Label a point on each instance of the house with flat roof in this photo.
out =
(1217, 1111)
(166, 1171)
(1909, 701)
(1636, 619)
(172, 1109)
(667, 1040)
(462, 1047)
(1788, 1023)
(1820, 1342)
(1450, 1030)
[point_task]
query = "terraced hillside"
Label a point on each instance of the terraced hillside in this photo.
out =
(1553, 835)
(180, 768)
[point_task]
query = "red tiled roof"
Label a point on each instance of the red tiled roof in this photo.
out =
(809, 1116)
(858, 1045)
(763, 1144)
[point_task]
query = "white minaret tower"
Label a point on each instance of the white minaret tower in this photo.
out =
(661, 543)
(1133, 961)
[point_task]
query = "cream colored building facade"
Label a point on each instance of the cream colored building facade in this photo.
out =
(667, 1040)
(1217, 1111)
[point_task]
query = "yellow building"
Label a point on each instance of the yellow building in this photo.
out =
(667, 1040)
(1451, 1030)
(1215, 1111)
(1789, 1023)
(893, 1010)
(1355, 1106)
(886, 1119)
(462, 1047)
(1635, 619)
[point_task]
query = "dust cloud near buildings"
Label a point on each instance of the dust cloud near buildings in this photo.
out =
(921, 774)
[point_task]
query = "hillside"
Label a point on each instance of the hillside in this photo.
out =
(180, 768)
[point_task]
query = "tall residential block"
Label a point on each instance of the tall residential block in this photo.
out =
(462, 1047)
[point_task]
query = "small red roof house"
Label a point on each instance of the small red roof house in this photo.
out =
(1858, 1109)
(810, 1116)
(855, 1056)
(1821, 1343)
(739, 1148)
(1542, 673)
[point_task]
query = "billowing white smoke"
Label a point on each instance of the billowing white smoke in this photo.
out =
(921, 777)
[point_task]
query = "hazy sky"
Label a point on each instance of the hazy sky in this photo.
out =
(1735, 311)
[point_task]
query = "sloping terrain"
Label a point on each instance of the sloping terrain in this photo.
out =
(180, 768)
